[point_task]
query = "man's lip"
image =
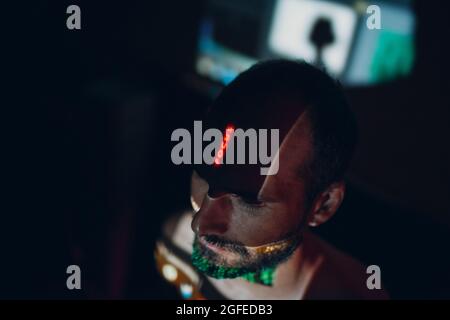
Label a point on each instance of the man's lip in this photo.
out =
(213, 247)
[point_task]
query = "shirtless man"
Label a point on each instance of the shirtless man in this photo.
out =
(248, 235)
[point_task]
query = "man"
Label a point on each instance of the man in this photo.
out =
(249, 235)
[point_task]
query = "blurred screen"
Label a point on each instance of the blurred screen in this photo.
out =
(300, 28)
(385, 54)
(333, 34)
(229, 38)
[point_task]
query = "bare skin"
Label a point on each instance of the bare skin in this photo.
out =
(241, 216)
(316, 270)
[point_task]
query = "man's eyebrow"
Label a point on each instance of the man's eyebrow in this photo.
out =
(243, 194)
(220, 189)
(252, 196)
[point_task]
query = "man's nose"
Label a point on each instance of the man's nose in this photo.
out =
(214, 216)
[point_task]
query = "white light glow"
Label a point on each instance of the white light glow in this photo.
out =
(292, 25)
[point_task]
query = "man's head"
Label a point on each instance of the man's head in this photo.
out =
(247, 221)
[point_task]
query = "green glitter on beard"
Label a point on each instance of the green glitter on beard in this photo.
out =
(263, 276)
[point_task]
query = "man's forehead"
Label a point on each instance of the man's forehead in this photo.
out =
(294, 147)
(239, 179)
(247, 113)
(251, 184)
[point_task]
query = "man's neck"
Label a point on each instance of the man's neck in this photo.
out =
(290, 279)
(289, 271)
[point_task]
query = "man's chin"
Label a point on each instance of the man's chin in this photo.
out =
(205, 263)
(222, 266)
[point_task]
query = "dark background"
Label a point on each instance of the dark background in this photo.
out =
(87, 171)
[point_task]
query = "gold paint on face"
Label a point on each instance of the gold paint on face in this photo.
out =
(274, 246)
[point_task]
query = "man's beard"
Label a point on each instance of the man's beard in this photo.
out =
(247, 260)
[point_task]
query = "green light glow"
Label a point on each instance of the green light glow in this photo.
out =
(264, 276)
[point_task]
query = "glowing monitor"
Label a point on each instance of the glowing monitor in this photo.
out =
(383, 55)
(333, 34)
(317, 31)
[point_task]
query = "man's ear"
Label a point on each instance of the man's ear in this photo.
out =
(326, 204)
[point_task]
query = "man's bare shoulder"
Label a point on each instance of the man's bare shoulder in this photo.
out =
(340, 276)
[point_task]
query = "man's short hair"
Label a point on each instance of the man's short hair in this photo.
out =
(334, 129)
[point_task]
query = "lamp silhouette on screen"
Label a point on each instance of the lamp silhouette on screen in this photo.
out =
(321, 36)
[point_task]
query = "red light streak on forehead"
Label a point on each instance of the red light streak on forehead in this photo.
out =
(229, 131)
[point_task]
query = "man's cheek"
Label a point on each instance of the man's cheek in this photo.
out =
(253, 231)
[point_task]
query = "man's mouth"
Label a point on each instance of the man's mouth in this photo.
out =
(214, 247)
(222, 246)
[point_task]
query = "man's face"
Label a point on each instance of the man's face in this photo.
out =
(247, 221)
